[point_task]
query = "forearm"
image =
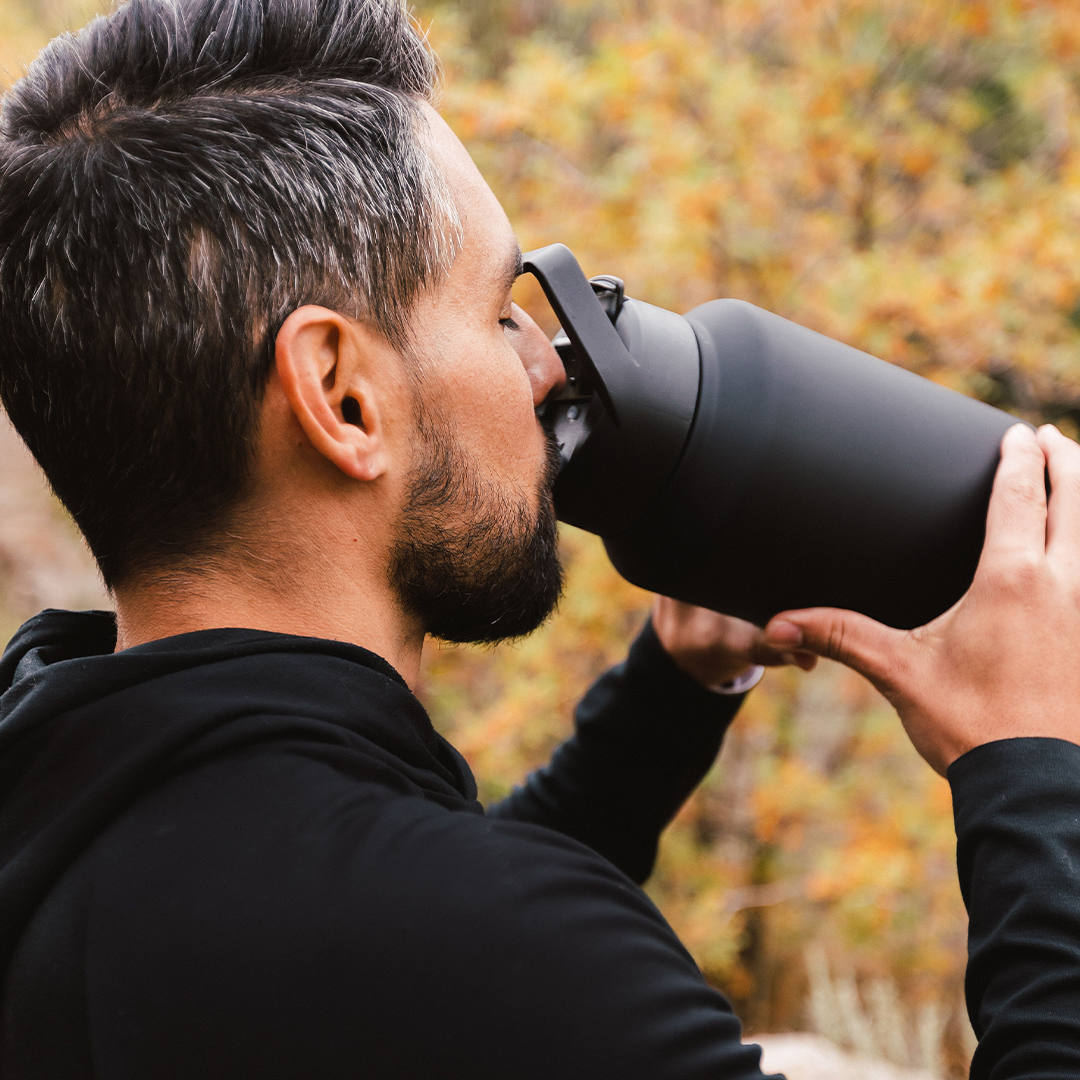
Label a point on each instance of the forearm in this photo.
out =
(645, 735)
(1017, 808)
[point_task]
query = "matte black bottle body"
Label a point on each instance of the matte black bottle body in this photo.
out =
(815, 474)
(734, 459)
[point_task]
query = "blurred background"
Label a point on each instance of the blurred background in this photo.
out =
(899, 174)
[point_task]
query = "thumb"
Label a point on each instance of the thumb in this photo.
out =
(866, 646)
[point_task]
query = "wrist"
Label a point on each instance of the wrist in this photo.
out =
(741, 683)
(695, 640)
(703, 666)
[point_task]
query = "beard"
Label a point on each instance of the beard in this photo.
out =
(471, 560)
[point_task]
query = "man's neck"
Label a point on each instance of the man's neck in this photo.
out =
(323, 605)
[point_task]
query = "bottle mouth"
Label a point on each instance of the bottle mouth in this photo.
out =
(565, 414)
(571, 413)
(624, 413)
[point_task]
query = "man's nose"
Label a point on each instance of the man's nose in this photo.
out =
(542, 364)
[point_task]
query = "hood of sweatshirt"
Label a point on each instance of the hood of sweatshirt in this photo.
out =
(86, 731)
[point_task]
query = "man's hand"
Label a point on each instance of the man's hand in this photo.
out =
(1004, 661)
(714, 649)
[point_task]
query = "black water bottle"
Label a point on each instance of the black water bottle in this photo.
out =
(734, 459)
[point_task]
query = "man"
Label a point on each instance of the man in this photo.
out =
(257, 329)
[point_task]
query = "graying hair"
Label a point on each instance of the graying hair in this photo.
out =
(175, 179)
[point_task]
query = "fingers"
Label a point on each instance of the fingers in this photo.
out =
(688, 626)
(1016, 520)
(1063, 510)
(713, 647)
(762, 652)
(864, 645)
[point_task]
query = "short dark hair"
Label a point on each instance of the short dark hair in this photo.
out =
(175, 179)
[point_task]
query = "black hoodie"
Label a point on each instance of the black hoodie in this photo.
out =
(237, 854)
(241, 854)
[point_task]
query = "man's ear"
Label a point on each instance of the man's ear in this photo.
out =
(324, 362)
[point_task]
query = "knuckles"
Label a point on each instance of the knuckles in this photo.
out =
(833, 638)
(1026, 488)
(1018, 573)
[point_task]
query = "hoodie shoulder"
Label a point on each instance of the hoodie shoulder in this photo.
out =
(52, 636)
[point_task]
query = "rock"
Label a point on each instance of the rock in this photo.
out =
(813, 1057)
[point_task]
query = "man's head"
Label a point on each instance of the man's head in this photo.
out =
(246, 272)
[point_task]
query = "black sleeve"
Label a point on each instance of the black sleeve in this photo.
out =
(645, 735)
(1017, 809)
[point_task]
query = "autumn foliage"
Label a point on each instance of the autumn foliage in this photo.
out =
(899, 174)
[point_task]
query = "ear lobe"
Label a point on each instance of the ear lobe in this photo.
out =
(320, 363)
